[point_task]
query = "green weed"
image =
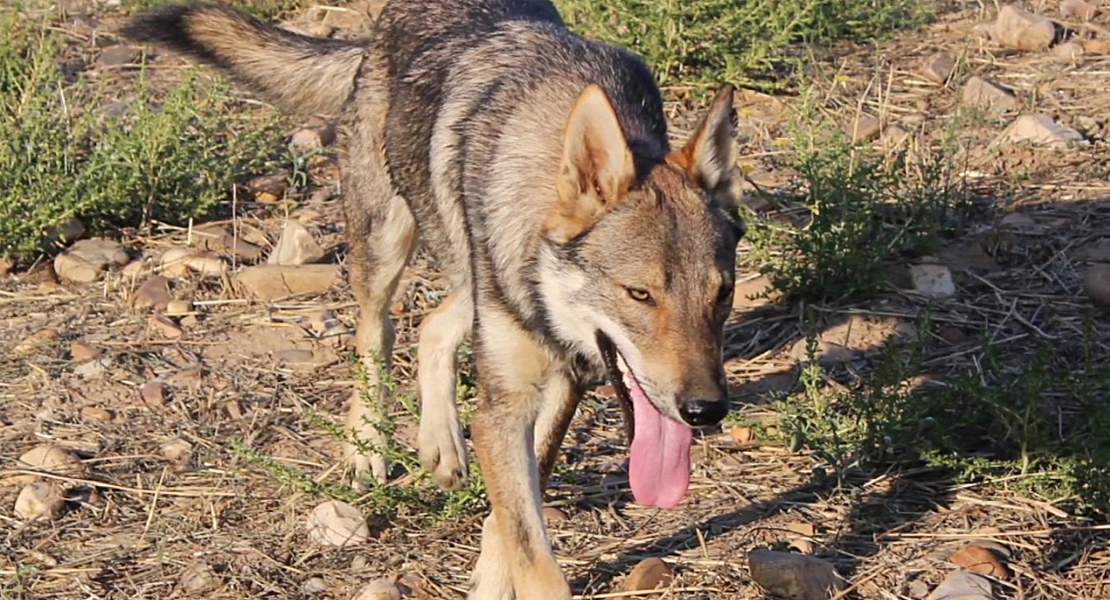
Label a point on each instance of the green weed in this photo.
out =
(702, 42)
(850, 213)
(165, 158)
(419, 498)
(1037, 424)
(292, 477)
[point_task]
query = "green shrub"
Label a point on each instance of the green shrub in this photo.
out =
(858, 211)
(1038, 423)
(161, 160)
(701, 42)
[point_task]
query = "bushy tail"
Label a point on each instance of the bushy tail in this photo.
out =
(296, 72)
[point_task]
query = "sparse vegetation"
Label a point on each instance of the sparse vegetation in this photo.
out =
(851, 212)
(704, 42)
(1036, 423)
(418, 497)
(63, 153)
(1002, 425)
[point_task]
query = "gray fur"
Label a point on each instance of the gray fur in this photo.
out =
(533, 163)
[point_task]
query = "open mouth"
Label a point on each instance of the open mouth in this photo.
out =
(659, 452)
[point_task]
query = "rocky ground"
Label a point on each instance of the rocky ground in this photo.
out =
(172, 382)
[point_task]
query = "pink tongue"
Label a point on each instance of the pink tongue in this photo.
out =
(659, 461)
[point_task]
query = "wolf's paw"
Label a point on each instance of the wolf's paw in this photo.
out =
(443, 452)
(485, 588)
(491, 579)
(363, 466)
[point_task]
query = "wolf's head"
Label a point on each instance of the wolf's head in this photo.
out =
(637, 274)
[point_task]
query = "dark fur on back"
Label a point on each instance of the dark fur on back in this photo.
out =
(534, 164)
(485, 60)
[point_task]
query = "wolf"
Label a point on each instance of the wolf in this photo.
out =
(534, 165)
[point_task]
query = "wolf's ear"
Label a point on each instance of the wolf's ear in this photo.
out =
(597, 168)
(709, 156)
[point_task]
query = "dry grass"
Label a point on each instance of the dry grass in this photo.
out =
(138, 520)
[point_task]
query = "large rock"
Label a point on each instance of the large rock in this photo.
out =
(1022, 30)
(1041, 130)
(794, 576)
(989, 95)
(40, 500)
(49, 458)
(270, 282)
(295, 247)
(87, 260)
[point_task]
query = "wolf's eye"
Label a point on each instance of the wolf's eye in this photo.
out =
(640, 295)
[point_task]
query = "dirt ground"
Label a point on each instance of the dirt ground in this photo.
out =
(166, 498)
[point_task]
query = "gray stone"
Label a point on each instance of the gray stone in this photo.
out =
(153, 293)
(269, 282)
(1020, 29)
(1078, 9)
(1041, 130)
(938, 67)
(87, 260)
(295, 247)
(119, 56)
(933, 280)
(963, 585)
(794, 576)
(1096, 282)
(988, 94)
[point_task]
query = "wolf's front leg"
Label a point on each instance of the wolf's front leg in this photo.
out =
(442, 445)
(519, 546)
(515, 370)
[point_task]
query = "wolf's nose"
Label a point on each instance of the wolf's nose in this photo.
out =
(703, 412)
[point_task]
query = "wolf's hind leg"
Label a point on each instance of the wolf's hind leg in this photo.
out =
(381, 234)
